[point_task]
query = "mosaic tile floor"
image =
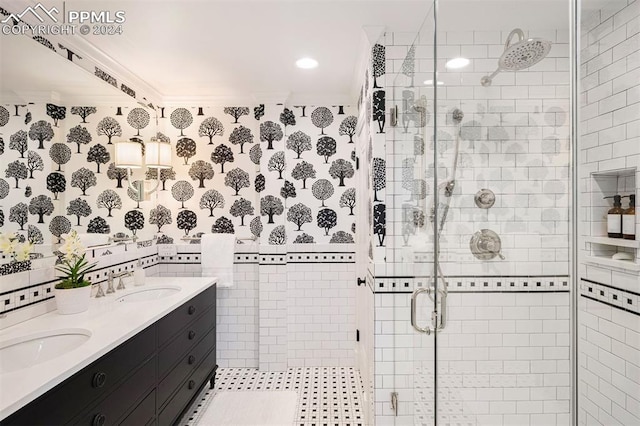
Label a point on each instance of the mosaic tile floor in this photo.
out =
(327, 396)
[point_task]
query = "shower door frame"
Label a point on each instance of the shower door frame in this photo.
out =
(574, 239)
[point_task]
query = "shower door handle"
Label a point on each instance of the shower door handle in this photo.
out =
(414, 320)
(439, 317)
(443, 309)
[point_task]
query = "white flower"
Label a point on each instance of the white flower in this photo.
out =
(8, 243)
(72, 247)
(23, 252)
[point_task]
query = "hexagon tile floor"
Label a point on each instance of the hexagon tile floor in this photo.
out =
(327, 396)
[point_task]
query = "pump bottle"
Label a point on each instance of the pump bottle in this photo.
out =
(614, 218)
(629, 219)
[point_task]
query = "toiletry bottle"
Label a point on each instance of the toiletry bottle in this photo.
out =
(629, 219)
(614, 218)
(138, 275)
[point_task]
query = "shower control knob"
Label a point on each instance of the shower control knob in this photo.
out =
(485, 198)
(486, 245)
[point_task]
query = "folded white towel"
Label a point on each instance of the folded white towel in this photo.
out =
(217, 255)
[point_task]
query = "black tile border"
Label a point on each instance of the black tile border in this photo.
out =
(610, 286)
(480, 284)
(27, 305)
(610, 304)
(588, 286)
(481, 292)
(99, 276)
(148, 262)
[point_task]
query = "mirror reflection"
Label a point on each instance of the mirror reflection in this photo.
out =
(58, 128)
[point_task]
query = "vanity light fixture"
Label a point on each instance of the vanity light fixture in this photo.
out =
(306, 63)
(457, 63)
(129, 155)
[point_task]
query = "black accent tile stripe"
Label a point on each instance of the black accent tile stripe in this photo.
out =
(610, 286)
(610, 304)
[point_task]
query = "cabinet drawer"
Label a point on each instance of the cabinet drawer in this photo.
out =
(179, 318)
(86, 386)
(185, 366)
(188, 390)
(144, 413)
(112, 408)
(184, 341)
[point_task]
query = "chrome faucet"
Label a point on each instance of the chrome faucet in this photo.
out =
(119, 275)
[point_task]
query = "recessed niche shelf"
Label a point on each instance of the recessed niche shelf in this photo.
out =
(631, 172)
(605, 261)
(618, 242)
(599, 249)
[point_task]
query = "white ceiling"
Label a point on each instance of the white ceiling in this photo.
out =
(238, 49)
(228, 49)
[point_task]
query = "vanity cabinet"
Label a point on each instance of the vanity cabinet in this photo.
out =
(149, 379)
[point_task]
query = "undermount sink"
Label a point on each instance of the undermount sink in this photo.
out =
(151, 293)
(25, 351)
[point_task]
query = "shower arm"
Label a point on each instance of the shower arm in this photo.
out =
(517, 32)
(487, 79)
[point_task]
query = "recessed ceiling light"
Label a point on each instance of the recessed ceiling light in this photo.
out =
(456, 63)
(306, 63)
(430, 83)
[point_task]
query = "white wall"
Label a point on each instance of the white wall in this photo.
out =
(514, 142)
(609, 318)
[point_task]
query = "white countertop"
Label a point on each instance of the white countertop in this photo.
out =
(110, 324)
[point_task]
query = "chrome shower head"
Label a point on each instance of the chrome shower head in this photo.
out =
(519, 56)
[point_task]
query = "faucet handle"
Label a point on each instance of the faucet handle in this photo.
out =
(110, 288)
(121, 284)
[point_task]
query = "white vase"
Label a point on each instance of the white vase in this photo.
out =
(72, 300)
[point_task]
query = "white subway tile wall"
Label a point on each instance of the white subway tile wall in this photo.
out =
(321, 314)
(608, 317)
(501, 355)
(514, 141)
(290, 306)
(237, 325)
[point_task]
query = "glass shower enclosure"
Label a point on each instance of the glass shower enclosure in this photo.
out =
(473, 297)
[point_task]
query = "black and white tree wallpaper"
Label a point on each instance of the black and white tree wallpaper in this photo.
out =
(373, 152)
(282, 173)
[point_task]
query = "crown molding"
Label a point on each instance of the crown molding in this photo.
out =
(312, 99)
(268, 98)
